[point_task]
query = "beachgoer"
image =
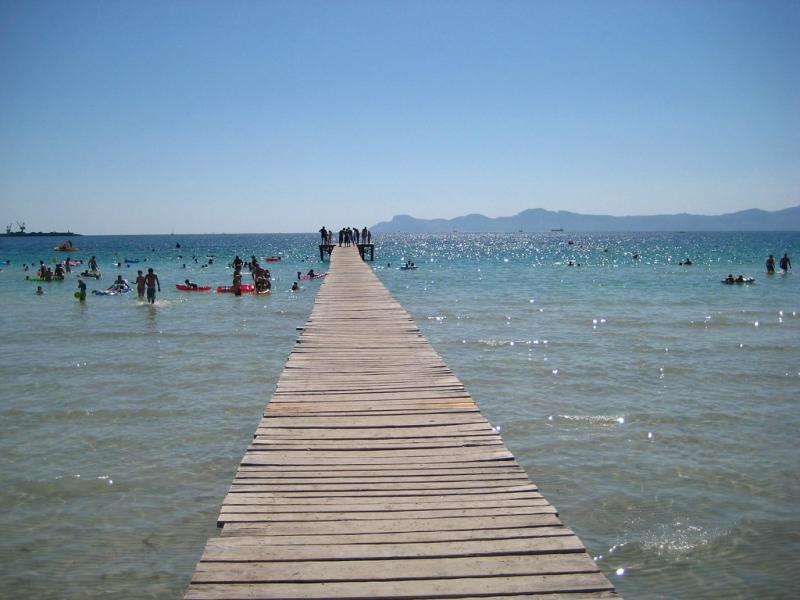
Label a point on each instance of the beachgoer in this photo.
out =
(323, 234)
(93, 264)
(81, 290)
(295, 287)
(786, 263)
(740, 278)
(311, 273)
(236, 288)
(190, 284)
(770, 264)
(140, 285)
(730, 279)
(120, 284)
(151, 281)
(39, 291)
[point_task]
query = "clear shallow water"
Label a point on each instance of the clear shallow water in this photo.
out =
(654, 406)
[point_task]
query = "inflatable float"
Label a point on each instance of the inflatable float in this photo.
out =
(188, 288)
(316, 276)
(246, 288)
(745, 280)
(273, 258)
(111, 292)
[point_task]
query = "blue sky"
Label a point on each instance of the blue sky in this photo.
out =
(154, 116)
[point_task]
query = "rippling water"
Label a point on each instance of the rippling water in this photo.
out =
(654, 406)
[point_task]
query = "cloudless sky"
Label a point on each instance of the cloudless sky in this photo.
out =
(156, 116)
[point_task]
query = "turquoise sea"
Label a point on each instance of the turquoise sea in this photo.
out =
(654, 406)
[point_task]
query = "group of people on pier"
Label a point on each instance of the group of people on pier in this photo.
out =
(347, 236)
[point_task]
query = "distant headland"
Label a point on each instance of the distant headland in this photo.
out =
(539, 219)
(20, 232)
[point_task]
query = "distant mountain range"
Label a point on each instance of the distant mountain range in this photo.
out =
(539, 219)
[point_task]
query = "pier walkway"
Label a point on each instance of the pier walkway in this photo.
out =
(373, 475)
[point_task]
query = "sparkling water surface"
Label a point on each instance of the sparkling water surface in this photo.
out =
(654, 406)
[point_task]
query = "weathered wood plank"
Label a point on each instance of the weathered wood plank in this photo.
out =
(441, 588)
(249, 549)
(395, 569)
(453, 535)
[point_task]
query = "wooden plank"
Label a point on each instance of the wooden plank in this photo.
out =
(453, 500)
(394, 569)
(379, 527)
(442, 588)
(248, 549)
(454, 535)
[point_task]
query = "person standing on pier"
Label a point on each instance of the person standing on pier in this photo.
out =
(323, 234)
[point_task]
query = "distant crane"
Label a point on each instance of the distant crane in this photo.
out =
(8, 228)
(21, 226)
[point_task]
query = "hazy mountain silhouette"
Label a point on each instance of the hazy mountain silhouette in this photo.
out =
(539, 219)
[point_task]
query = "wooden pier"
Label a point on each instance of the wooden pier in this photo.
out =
(373, 475)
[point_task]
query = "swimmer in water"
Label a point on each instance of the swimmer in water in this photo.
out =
(295, 287)
(39, 291)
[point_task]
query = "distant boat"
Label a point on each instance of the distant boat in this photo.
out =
(22, 233)
(558, 230)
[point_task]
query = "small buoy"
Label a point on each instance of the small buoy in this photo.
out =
(77, 294)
